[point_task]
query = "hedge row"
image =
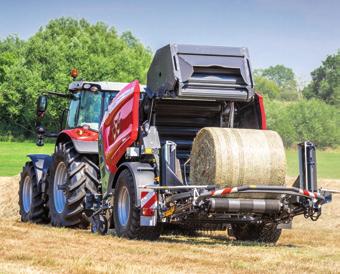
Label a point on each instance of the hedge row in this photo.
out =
(302, 120)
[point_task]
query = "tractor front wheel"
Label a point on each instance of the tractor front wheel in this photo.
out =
(70, 178)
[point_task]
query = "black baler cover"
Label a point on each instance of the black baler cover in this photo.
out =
(189, 71)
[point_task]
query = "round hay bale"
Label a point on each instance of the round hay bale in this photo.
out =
(234, 157)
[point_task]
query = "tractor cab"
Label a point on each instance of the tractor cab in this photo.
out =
(89, 102)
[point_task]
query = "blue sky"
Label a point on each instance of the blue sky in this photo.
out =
(297, 34)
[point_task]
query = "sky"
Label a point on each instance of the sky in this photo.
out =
(298, 34)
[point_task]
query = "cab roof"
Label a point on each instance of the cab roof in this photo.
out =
(103, 86)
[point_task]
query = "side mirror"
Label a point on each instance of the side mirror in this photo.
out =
(41, 105)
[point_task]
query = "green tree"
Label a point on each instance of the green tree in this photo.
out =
(279, 119)
(316, 121)
(9, 49)
(266, 87)
(312, 120)
(325, 83)
(43, 62)
(284, 78)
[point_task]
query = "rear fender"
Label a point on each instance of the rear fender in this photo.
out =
(90, 147)
(84, 141)
(142, 173)
(41, 163)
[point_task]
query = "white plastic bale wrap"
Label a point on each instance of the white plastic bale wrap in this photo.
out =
(234, 157)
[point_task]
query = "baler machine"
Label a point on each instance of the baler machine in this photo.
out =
(145, 140)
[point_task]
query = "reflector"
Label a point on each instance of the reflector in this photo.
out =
(148, 212)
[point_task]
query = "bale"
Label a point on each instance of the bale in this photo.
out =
(234, 157)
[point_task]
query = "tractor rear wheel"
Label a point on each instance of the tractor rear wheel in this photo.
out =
(32, 206)
(265, 232)
(70, 178)
(126, 215)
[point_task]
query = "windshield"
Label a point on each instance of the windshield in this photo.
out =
(86, 108)
(89, 109)
(108, 97)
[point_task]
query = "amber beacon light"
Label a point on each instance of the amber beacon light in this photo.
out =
(74, 73)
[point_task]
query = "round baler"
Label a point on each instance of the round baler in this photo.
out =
(192, 151)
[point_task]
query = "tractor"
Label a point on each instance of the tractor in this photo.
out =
(52, 188)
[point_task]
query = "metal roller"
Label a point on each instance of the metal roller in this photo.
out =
(244, 205)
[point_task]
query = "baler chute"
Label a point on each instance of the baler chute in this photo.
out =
(188, 71)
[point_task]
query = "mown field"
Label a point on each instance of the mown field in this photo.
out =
(28, 248)
(13, 157)
(310, 247)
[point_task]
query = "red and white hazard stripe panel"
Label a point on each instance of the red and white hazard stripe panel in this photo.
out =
(148, 208)
(224, 191)
(148, 203)
(308, 193)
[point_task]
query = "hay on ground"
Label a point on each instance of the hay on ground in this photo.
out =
(9, 187)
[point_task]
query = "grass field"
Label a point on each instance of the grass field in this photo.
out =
(310, 247)
(328, 163)
(13, 157)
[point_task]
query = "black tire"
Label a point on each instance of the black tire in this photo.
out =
(132, 229)
(81, 179)
(180, 230)
(36, 211)
(265, 232)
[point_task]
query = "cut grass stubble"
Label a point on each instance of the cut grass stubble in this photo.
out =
(28, 248)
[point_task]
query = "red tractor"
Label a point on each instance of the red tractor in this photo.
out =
(53, 188)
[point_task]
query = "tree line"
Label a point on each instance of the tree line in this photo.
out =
(43, 62)
(308, 113)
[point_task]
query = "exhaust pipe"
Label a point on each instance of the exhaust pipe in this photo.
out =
(244, 205)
